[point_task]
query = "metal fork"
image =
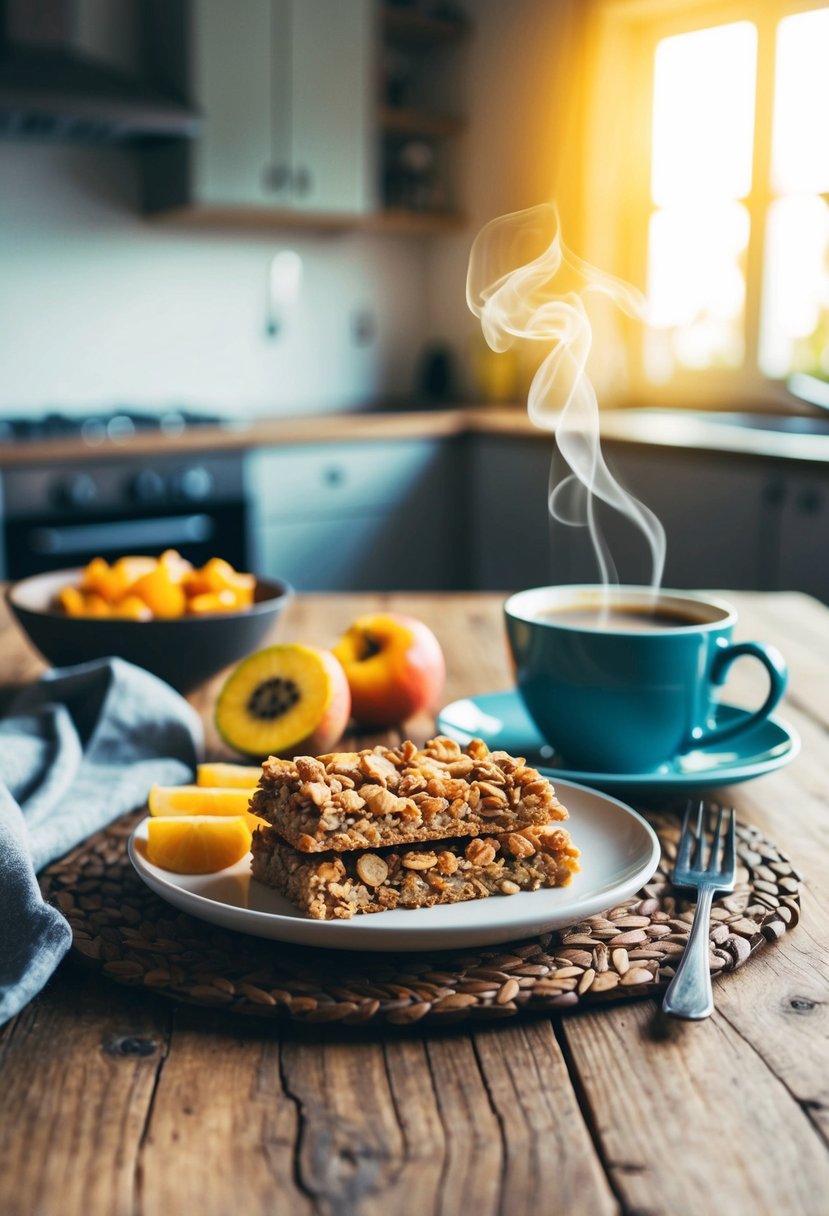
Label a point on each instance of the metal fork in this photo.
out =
(689, 993)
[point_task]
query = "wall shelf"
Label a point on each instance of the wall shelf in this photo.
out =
(407, 27)
(418, 122)
(392, 221)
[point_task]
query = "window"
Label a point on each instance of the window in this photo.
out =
(709, 127)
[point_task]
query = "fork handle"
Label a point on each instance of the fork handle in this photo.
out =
(689, 993)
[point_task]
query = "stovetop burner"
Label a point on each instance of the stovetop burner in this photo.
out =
(115, 425)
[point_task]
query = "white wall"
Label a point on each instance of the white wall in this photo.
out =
(98, 305)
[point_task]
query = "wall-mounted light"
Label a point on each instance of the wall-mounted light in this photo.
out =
(284, 282)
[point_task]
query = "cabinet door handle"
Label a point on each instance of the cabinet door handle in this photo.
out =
(333, 476)
(775, 493)
(302, 181)
(810, 501)
(275, 178)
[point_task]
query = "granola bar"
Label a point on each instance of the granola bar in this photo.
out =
(383, 796)
(337, 886)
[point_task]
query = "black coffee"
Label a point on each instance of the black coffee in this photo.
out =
(622, 618)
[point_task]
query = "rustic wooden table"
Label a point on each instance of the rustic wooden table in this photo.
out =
(114, 1100)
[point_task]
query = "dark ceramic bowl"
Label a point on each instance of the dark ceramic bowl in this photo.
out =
(185, 652)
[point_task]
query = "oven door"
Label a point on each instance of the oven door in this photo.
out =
(34, 544)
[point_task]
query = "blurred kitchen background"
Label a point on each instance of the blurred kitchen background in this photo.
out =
(233, 250)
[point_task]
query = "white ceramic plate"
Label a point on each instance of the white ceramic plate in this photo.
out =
(620, 852)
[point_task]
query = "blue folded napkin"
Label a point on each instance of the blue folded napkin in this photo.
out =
(78, 748)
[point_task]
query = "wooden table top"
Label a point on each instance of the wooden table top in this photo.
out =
(116, 1101)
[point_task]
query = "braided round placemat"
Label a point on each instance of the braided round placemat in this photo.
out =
(132, 936)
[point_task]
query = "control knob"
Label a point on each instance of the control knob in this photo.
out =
(79, 491)
(195, 483)
(148, 486)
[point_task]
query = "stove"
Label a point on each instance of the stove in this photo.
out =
(116, 425)
(61, 512)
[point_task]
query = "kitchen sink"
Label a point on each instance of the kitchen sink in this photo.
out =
(708, 426)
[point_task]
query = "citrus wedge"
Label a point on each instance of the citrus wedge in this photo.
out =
(165, 800)
(229, 776)
(197, 844)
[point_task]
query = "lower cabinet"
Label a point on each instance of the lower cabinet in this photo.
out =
(801, 500)
(730, 521)
(472, 513)
(716, 512)
(510, 538)
(364, 516)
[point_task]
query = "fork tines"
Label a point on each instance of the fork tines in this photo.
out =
(717, 820)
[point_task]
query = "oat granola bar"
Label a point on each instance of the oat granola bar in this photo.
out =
(337, 886)
(383, 796)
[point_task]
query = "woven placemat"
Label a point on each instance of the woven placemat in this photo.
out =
(135, 938)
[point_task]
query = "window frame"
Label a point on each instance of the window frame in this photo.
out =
(616, 201)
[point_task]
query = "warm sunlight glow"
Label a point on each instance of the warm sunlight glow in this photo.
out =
(795, 329)
(703, 114)
(696, 288)
(703, 133)
(800, 148)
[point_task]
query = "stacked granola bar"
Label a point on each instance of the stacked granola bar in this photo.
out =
(382, 828)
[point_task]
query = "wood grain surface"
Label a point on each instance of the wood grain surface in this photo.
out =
(114, 1101)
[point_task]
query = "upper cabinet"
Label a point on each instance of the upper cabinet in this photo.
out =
(326, 113)
(286, 89)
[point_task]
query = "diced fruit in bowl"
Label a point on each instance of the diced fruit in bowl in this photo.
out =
(197, 844)
(167, 800)
(228, 776)
(163, 588)
(70, 625)
(394, 665)
(162, 592)
(217, 577)
(288, 698)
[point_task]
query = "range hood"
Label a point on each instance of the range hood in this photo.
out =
(52, 88)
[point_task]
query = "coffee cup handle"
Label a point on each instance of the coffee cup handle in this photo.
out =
(775, 665)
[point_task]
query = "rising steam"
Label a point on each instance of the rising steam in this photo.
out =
(510, 287)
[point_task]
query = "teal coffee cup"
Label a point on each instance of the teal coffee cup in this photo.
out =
(625, 679)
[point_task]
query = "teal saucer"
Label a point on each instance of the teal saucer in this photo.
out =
(500, 719)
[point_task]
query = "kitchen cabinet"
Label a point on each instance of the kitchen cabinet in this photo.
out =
(329, 114)
(357, 516)
(800, 498)
(731, 521)
(287, 90)
(510, 546)
(718, 519)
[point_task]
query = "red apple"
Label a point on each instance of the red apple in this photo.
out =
(394, 666)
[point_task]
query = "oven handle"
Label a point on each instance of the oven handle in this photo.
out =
(161, 532)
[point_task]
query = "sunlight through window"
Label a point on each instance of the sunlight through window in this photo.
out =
(794, 334)
(703, 114)
(703, 132)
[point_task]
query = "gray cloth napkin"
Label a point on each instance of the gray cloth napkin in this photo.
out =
(78, 748)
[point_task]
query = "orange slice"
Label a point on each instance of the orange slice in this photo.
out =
(161, 591)
(176, 566)
(229, 776)
(214, 601)
(96, 605)
(131, 608)
(72, 601)
(165, 800)
(218, 575)
(197, 844)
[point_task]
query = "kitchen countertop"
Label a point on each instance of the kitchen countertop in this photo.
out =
(661, 428)
(117, 1102)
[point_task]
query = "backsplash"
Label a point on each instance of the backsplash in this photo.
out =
(100, 306)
